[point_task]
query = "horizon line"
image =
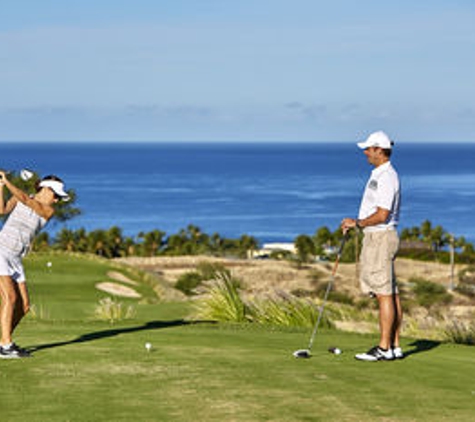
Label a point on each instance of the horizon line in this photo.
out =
(229, 141)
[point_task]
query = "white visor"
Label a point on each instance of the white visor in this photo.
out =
(56, 186)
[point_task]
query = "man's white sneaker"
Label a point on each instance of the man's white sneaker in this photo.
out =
(375, 354)
(398, 353)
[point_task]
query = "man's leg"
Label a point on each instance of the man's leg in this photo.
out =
(377, 276)
(387, 320)
(397, 321)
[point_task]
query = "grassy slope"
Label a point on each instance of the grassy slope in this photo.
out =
(87, 370)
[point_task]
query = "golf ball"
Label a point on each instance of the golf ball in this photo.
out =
(148, 346)
(337, 351)
(49, 264)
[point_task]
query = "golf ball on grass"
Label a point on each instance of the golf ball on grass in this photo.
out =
(148, 346)
(335, 350)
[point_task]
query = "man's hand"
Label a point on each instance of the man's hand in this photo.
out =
(347, 224)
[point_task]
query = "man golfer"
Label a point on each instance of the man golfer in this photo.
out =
(378, 218)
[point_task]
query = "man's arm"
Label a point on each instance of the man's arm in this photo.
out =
(380, 216)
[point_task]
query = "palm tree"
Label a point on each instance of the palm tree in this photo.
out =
(247, 246)
(199, 241)
(460, 243)
(305, 248)
(411, 234)
(176, 244)
(80, 240)
(41, 242)
(97, 241)
(216, 244)
(323, 239)
(114, 241)
(129, 246)
(426, 230)
(65, 240)
(152, 242)
(438, 238)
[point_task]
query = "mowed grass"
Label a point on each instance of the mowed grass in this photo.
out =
(88, 370)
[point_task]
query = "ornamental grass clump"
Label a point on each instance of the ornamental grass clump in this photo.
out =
(112, 310)
(222, 301)
(39, 313)
(286, 310)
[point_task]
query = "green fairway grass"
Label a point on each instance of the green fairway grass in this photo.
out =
(84, 369)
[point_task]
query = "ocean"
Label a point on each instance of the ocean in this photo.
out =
(273, 191)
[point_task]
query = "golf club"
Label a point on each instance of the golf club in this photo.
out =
(306, 353)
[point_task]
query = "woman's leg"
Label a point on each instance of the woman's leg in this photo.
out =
(22, 305)
(9, 297)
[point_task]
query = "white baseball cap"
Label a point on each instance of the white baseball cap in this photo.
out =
(377, 139)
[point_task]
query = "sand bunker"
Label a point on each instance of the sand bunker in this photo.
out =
(114, 275)
(117, 289)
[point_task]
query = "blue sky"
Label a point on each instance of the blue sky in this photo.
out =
(247, 70)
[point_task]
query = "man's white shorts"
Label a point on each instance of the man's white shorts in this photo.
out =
(12, 267)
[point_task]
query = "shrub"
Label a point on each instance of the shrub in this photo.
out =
(340, 297)
(188, 282)
(466, 284)
(209, 270)
(280, 255)
(466, 289)
(366, 303)
(315, 277)
(429, 294)
(303, 293)
(460, 333)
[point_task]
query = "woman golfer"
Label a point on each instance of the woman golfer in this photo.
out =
(27, 216)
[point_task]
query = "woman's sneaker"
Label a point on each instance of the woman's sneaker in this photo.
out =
(375, 354)
(13, 352)
(398, 353)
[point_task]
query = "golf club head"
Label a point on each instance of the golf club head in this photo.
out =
(26, 174)
(302, 354)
